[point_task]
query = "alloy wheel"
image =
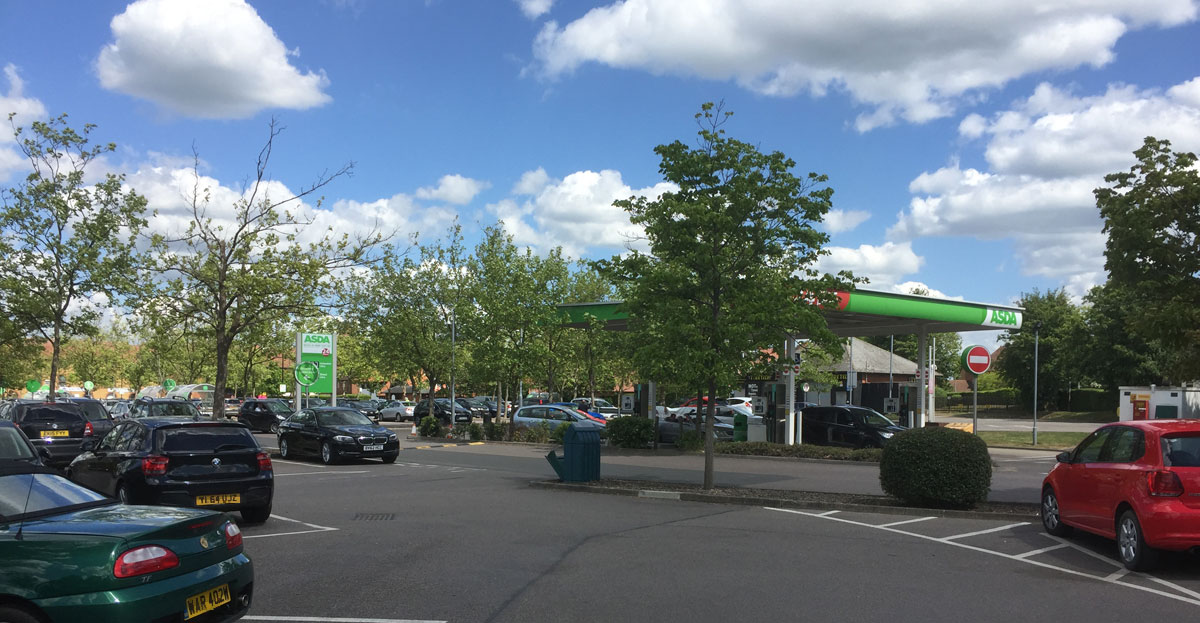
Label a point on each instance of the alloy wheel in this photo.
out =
(1127, 538)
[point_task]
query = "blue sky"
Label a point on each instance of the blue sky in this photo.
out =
(962, 141)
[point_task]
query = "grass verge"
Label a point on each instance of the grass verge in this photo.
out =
(1048, 440)
(1086, 417)
(803, 451)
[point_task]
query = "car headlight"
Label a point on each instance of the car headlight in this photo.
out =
(391, 436)
(885, 434)
(343, 438)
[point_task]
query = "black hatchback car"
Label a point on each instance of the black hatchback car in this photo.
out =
(59, 428)
(334, 434)
(173, 461)
(442, 410)
(847, 426)
(264, 414)
(97, 415)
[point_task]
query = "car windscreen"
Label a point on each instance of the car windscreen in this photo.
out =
(22, 494)
(63, 413)
(279, 407)
(343, 418)
(174, 408)
(205, 438)
(93, 411)
(600, 402)
(873, 419)
(13, 445)
(1181, 450)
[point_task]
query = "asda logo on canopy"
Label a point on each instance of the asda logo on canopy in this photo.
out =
(1002, 318)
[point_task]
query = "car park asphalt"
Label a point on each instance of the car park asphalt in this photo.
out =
(457, 534)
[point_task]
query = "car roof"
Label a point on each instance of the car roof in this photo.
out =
(159, 422)
(1163, 426)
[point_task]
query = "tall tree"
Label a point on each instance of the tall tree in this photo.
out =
(71, 245)
(1059, 341)
(1114, 355)
(244, 265)
(102, 359)
(1152, 218)
(730, 269)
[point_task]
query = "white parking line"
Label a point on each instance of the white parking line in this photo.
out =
(1042, 551)
(333, 619)
(988, 531)
(297, 463)
(1194, 600)
(827, 513)
(303, 523)
(900, 523)
(322, 473)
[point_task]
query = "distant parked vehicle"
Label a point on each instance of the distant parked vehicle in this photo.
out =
(550, 414)
(397, 411)
(600, 405)
(725, 414)
(59, 428)
(442, 410)
(264, 414)
(98, 418)
(334, 434)
(672, 427)
(847, 426)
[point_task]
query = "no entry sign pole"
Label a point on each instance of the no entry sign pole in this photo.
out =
(975, 360)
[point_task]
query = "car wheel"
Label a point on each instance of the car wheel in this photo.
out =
(1051, 519)
(10, 614)
(284, 451)
(256, 515)
(328, 454)
(1131, 545)
(390, 458)
(274, 429)
(124, 495)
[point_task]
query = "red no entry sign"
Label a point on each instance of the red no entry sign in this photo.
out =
(976, 359)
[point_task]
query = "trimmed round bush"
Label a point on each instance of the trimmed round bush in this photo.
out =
(936, 467)
(630, 431)
(429, 427)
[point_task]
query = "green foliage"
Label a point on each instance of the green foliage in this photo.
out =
(1114, 354)
(990, 380)
(937, 467)
(102, 360)
(1152, 253)
(1091, 399)
(803, 451)
(459, 431)
(475, 432)
(559, 432)
(539, 433)
(495, 431)
(690, 441)
(630, 432)
(65, 242)
(729, 252)
(430, 427)
(1059, 355)
(994, 397)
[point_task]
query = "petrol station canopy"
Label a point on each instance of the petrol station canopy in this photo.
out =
(860, 313)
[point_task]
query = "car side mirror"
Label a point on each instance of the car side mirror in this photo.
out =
(87, 446)
(1063, 457)
(43, 453)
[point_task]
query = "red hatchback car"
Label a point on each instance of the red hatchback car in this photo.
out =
(1135, 482)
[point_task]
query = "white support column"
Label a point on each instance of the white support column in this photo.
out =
(922, 377)
(333, 371)
(296, 399)
(790, 353)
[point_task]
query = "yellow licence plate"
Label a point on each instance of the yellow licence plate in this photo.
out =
(208, 600)
(55, 433)
(220, 498)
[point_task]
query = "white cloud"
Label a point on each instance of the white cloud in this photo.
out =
(576, 213)
(534, 9)
(909, 286)
(215, 59)
(837, 221)
(883, 265)
(27, 109)
(1046, 155)
(454, 189)
(531, 182)
(909, 60)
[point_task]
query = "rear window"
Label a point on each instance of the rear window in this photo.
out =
(173, 408)
(1181, 450)
(93, 411)
(56, 413)
(205, 439)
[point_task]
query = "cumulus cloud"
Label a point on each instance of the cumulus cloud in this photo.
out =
(883, 265)
(837, 221)
(27, 109)
(1045, 157)
(908, 287)
(910, 60)
(576, 212)
(216, 60)
(531, 182)
(534, 9)
(454, 189)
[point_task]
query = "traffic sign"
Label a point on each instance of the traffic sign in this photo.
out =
(33, 386)
(976, 359)
(307, 373)
(88, 385)
(169, 384)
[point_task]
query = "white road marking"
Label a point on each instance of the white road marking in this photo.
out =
(296, 463)
(988, 531)
(899, 523)
(828, 513)
(1116, 575)
(311, 473)
(263, 536)
(1042, 551)
(1194, 601)
(303, 523)
(1171, 584)
(333, 619)
(659, 495)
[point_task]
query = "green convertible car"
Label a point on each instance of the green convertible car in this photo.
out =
(70, 554)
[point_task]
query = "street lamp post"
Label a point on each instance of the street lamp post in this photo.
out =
(1037, 327)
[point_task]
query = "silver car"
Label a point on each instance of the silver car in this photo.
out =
(397, 411)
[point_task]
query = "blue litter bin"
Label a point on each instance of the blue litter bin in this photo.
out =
(581, 454)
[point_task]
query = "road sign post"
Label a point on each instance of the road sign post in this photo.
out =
(307, 374)
(975, 360)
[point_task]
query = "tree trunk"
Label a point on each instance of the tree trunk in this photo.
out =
(223, 345)
(708, 433)
(56, 351)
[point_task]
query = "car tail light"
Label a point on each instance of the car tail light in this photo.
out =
(233, 535)
(88, 431)
(145, 559)
(264, 462)
(1164, 484)
(154, 465)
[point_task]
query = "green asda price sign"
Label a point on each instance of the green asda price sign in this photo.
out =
(315, 357)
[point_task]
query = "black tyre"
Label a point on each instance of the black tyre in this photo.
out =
(1051, 518)
(284, 450)
(390, 458)
(328, 454)
(124, 494)
(274, 428)
(256, 515)
(1131, 545)
(11, 614)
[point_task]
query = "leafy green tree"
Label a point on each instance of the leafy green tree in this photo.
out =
(947, 347)
(71, 245)
(1152, 218)
(1060, 336)
(1113, 354)
(21, 359)
(102, 360)
(730, 263)
(230, 273)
